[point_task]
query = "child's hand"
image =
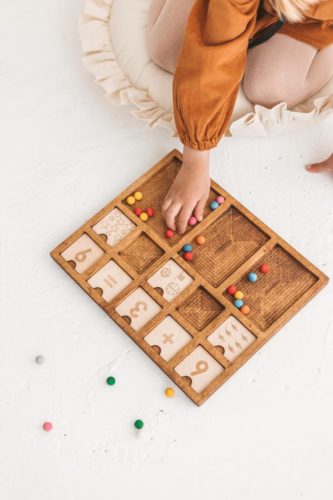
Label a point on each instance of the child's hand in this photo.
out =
(189, 191)
(323, 166)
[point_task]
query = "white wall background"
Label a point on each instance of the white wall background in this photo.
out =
(64, 153)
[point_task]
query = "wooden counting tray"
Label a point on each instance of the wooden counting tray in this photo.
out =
(179, 312)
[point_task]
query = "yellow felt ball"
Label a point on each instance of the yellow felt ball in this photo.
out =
(130, 200)
(138, 196)
(169, 392)
(144, 216)
(239, 295)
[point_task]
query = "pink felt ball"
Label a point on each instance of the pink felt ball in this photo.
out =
(192, 221)
(47, 426)
(220, 200)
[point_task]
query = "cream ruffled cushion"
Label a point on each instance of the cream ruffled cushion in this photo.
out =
(113, 37)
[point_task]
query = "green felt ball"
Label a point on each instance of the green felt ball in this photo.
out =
(138, 424)
(110, 380)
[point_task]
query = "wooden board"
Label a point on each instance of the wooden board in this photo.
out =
(180, 312)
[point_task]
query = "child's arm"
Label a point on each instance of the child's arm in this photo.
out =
(209, 70)
(323, 166)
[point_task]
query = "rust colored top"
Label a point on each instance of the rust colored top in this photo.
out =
(212, 60)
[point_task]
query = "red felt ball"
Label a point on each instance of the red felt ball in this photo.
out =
(47, 426)
(137, 211)
(150, 212)
(231, 289)
(188, 256)
(264, 268)
(169, 233)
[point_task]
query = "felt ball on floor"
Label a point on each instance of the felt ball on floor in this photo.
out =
(169, 233)
(39, 360)
(187, 248)
(252, 277)
(110, 380)
(130, 200)
(200, 239)
(214, 204)
(138, 195)
(231, 289)
(137, 211)
(150, 211)
(245, 309)
(192, 221)
(169, 392)
(144, 217)
(238, 303)
(47, 426)
(220, 199)
(138, 424)
(264, 268)
(188, 256)
(239, 295)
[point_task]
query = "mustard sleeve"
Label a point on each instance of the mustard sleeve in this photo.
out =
(210, 67)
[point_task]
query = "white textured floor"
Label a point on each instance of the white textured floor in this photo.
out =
(65, 153)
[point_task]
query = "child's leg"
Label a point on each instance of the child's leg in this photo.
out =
(165, 29)
(285, 69)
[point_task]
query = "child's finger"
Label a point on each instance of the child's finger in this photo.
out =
(184, 216)
(323, 166)
(171, 214)
(166, 203)
(199, 209)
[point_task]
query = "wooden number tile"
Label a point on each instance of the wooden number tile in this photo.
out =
(171, 278)
(139, 307)
(233, 337)
(111, 279)
(115, 226)
(200, 367)
(168, 337)
(83, 253)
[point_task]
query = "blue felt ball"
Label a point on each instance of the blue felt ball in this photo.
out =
(252, 277)
(187, 248)
(214, 205)
(238, 303)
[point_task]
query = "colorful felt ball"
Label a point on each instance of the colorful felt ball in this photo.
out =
(47, 426)
(238, 303)
(150, 211)
(239, 295)
(130, 200)
(137, 211)
(110, 380)
(188, 256)
(39, 360)
(169, 392)
(252, 277)
(169, 233)
(220, 199)
(138, 195)
(143, 216)
(138, 424)
(192, 221)
(187, 248)
(200, 239)
(264, 268)
(245, 309)
(214, 204)
(231, 289)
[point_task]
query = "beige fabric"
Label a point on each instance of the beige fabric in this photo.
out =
(123, 68)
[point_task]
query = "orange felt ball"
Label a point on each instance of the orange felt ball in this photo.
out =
(245, 309)
(200, 239)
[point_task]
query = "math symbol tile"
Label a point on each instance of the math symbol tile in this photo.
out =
(233, 337)
(83, 253)
(171, 278)
(168, 337)
(115, 226)
(139, 308)
(111, 279)
(200, 367)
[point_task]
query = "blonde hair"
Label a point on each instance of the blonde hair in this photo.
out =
(292, 10)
